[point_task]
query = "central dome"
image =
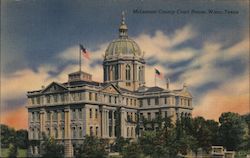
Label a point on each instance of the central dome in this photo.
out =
(123, 46)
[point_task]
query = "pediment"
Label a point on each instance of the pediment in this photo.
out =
(111, 89)
(54, 87)
(185, 93)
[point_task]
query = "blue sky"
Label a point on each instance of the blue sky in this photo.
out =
(39, 40)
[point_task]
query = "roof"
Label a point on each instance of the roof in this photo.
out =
(78, 83)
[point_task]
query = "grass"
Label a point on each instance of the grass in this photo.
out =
(20, 152)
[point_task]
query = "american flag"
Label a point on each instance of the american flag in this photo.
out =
(158, 74)
(84, 52)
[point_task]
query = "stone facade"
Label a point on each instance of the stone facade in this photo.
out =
(79, 107)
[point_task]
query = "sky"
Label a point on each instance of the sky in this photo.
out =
(207, 51)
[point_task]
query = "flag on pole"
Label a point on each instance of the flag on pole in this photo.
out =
(158, 74)
(84, 52)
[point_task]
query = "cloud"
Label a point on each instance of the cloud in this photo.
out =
(160, 46)
(231, 96)
(72, 53)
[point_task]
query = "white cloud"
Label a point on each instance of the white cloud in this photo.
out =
(160, 45)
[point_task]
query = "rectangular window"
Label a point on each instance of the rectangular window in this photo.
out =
(62, 115)
(63, 133)
(90, 96)
(166, 114)
(141, 115)
(55, 97)
(115, 100)
(55, 116)
(48, 116)
(33, 116)
(127, 101)
(140, 103)
(96, 97)
(80, 132)
(96, 113)
(109, 99)
(38, 116)
(32, 100)
(48, 98)
(131, 102)
(156, 101)
(135, 102)
(165, 100)
(148, 100)
(80, 113)
(38, 100)
(90, 113)
(74, 132)
(91, 131)
(96, 131)
(149, 116)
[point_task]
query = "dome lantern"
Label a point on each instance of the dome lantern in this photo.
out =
(123, 29)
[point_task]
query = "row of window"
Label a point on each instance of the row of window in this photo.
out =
(156, 115)
(79, 96)
(167, 101)
(112, 72)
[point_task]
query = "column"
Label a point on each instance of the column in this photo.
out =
(68, 148)
(107, 117)
(103, 123)
(42, 121)
(122, 126)
(106, 124)
(113, 123)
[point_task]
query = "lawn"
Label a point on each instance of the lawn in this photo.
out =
(20, 152)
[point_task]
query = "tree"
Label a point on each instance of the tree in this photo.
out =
(231, 130)
(92, 147)
(22, 139)
(51, 148)
(7, 136)
(133, 150)
(119, 144)
(12, 151)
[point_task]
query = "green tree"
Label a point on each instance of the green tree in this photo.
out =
(231, 130)
(12, 151)
(7, 136)
(22, 139)
(119, 144)
(51, 148)
(92, 147)
(133, 150)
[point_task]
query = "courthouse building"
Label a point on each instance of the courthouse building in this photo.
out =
(109, 109)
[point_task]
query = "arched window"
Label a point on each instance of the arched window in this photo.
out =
(128, 72)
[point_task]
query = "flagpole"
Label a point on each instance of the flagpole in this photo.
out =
(155, 79)
(80, 61)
